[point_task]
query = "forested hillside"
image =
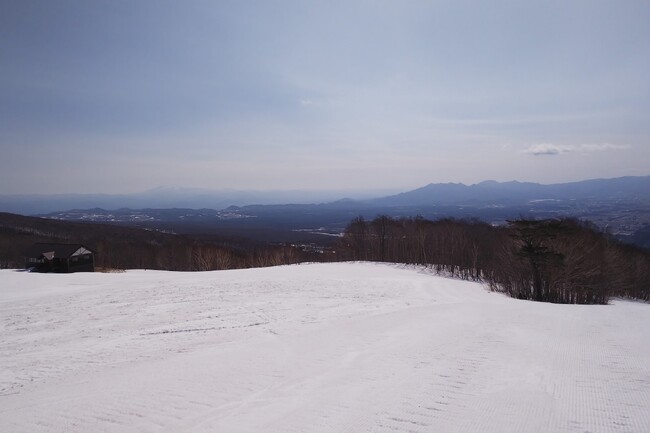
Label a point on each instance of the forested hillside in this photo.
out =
(559, 260)
(118, 247)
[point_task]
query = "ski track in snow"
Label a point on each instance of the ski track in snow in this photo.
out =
(315, 347)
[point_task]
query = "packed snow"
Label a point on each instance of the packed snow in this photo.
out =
(314, 347)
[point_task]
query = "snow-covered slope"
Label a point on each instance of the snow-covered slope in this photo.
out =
(323, 347)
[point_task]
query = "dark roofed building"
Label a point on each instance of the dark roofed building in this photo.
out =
(59, 258)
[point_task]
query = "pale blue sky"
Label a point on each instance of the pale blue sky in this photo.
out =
(122, 96)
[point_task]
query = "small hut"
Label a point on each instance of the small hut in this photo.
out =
(59, 258)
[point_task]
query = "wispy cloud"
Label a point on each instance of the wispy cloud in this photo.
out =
(553, 149)
(598, 147)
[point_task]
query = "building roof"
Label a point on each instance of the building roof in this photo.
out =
(59, 250)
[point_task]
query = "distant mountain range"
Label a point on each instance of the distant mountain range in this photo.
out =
(170, 197)
(620, 206)
(514, 192)
(630, 188)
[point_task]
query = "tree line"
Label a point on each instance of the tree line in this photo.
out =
(553, 260)
(556, 260)
(120, 247)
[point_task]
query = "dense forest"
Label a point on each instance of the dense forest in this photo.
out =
(555, 260)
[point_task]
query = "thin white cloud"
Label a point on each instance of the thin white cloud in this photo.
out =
(598, 147)
(547, 149)
(553, 149)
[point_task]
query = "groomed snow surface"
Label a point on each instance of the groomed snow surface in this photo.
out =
(318, 347)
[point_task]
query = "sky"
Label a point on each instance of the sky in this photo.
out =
(123, 96)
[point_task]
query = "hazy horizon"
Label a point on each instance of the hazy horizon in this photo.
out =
(119, 97)
(322, 193)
